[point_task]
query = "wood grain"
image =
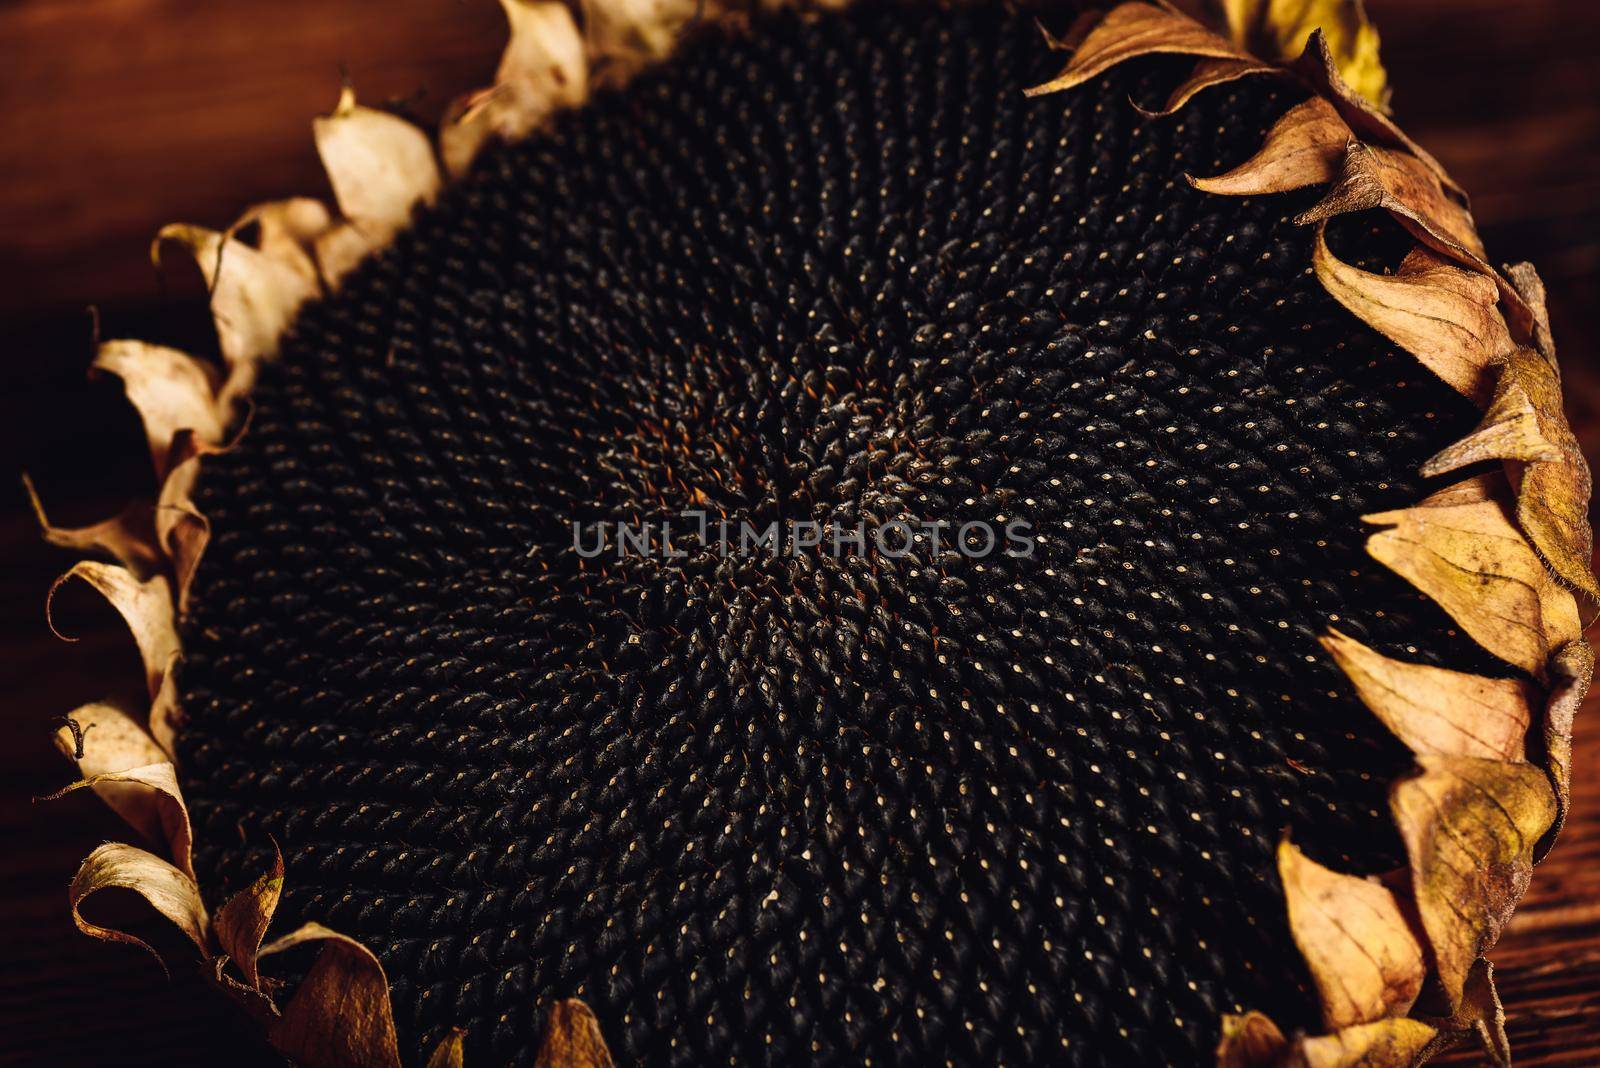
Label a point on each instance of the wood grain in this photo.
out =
(119, 115)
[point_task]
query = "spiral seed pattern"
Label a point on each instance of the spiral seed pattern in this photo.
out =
(925, 808)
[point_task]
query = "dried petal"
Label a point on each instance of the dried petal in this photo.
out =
(181, 530)
(1362, 955)
(1443, 315)
(1279, 29)
(339, 1015)
(1530, 287)
(1304, 147)
(288, 230)
(624, 35)
(145, 606)
(149, 798)
(1397, 182)
(1206, 74)
(129, 536)
(170, 390)
(1137, 29)
(254, 297)
(448, 1053)
(1321, 72)
(572, 1039)
(1435, 711)
(1250, 1040)
(1384, 1044)
(1469, 827)
(242, 922)
(1481, 1013)
(168, 890)
(1526, 428)
(1471, 560)
(542, 70)
(380, 166)
(1571, 670)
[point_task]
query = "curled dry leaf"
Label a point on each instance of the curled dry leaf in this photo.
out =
(1435, 711)
(1250, 1040)
(339, 1015)
(1354, 938)
(241, 923)
(1469, 827)
(1571, 670)
(380, 167)
(542, 70)
(129, 537)
(1443, 315)
(145, 605)
(1526, 429)
(449, 1052)
(1470, 559)
(1279, 29)
(572, 1039)
(1208, 73)
(1397, 182)
(1396, 1043)
(169, 891)
(1304, 147)
(170, 390)
(1138, 29)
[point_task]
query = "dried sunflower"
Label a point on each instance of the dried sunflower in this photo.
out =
(1241, 748)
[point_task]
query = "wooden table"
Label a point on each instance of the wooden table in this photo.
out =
(116, 117)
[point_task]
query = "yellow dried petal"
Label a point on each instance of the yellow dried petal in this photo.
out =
(150, 799)
(1137, 29)
(1472, 561)
(1436, 711)
(1470, 827)
(1279, 29)
(1356, 942)
(129, 536)
(1443, 315)
(146, 606)
(170, 390)
(572, 1039)
(242, 921)
(1384, 1044)
(1526, 428)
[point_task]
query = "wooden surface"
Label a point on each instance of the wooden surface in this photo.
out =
(119, 115)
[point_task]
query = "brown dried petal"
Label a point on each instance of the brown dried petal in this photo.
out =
(1480, 1014)
(572, 1039)
(1137, 29)
(129, 536)
(1571, 670)
(1530, 287)
(1206, 74)
(169, 891)
(149, 798)
(1443, 315)
(1472, 561)
(1384, 1044)
(146, 606)
(1397, 182)
(1361, 953)
(1469, 827)
(1526, 428)
(1304, 147)
(339, 1015)
(1317, 66)
(1250, 1040)
(242, 921)
(1436, 711)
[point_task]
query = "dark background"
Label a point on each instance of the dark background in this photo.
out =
(117, 116)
